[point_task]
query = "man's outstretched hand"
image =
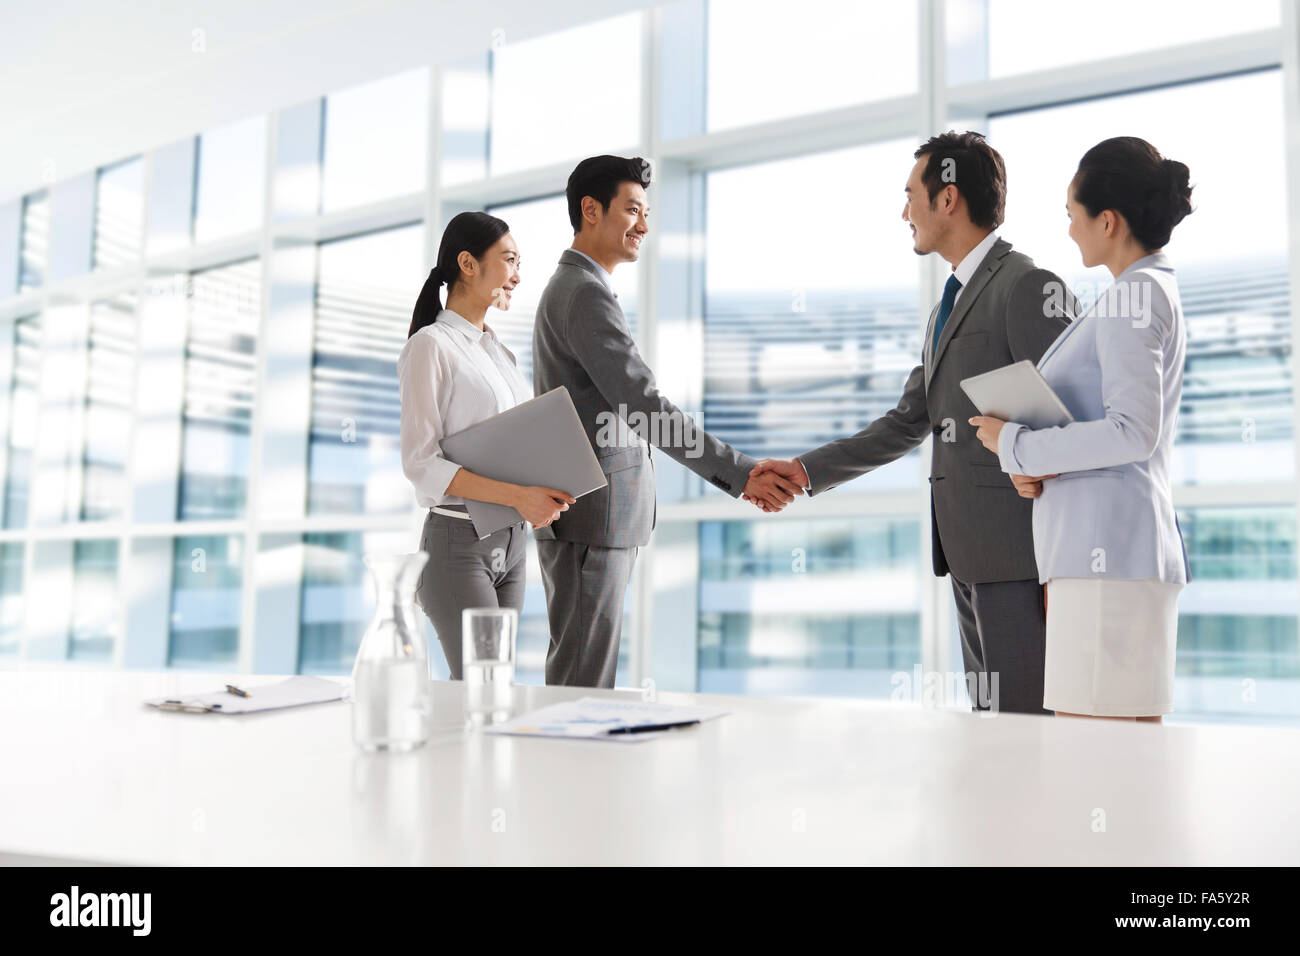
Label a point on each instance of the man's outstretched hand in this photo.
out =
(774, 482)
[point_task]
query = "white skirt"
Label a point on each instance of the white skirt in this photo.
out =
(1110, 646)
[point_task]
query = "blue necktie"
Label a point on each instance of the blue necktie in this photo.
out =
(945, 309)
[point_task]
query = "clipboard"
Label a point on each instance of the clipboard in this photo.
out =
(292, 692)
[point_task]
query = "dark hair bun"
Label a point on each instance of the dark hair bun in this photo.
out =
(1128, 175)
(1180, 189)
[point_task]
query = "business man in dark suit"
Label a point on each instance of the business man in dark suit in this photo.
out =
(581, 341)
(997, 308)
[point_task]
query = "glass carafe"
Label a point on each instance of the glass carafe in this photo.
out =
(392, 701)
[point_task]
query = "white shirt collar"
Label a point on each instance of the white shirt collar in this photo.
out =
(464, 326)
(965, 270)
(604, 275)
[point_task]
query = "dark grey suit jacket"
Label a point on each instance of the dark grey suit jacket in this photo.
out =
(581, 341)
(981, 527)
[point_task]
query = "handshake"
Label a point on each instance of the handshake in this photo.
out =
(774, 482)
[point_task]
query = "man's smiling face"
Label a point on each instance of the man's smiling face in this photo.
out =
(928, 225)
(623, 227)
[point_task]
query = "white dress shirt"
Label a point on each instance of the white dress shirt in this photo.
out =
(451, 376)
(965, 270)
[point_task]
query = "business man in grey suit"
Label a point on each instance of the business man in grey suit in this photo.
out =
(581, 340)
(997, 308)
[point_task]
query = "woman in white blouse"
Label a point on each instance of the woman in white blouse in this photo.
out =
(454, 372)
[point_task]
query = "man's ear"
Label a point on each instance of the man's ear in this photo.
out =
(589, 208)
(950, 197)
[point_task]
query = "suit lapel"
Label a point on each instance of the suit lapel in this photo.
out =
(986, 270)
(927, 349)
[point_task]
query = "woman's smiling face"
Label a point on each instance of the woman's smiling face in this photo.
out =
(495, 275)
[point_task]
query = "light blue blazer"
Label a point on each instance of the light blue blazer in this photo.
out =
(1119, 370)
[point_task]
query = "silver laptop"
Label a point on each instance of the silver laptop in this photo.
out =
(539, 442)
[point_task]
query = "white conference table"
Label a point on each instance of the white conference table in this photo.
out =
(89, 774)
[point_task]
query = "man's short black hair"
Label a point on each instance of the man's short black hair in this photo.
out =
(966, 161)
(599, 177)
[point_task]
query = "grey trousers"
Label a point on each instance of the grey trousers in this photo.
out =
(463, 571)
(1003, 628)
(585, 585)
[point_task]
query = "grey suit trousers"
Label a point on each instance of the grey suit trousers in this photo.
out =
(1003, 628)
(585, 586)
(463, 571)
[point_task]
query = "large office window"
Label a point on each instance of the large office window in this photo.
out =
(816, 607)
(466, 101)
(34, 256)
(767, 61)
(366, 289)
(810, 333)
(1025, 35)
(11, 597)
(1238, 650)
(108, 408)
(230, 179)
(375, 141)
(207, 578)
(787, 310)
(338, 603)
(119, 213)
(546, 109)
(23, 405)
(220, 369)
(94, 629)
(1235, 423)
(334, 613)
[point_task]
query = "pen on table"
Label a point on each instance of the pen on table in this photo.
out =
(235, 690)
(645, 728)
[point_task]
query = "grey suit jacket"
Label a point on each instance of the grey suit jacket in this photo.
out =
(581, 340)
(981, 528)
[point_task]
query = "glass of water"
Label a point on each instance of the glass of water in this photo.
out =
(488, 662)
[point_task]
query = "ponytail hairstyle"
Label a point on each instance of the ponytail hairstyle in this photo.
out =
(1129, 175)
(472, 232)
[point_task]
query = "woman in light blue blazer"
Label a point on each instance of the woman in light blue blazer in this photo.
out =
(1106, 539)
